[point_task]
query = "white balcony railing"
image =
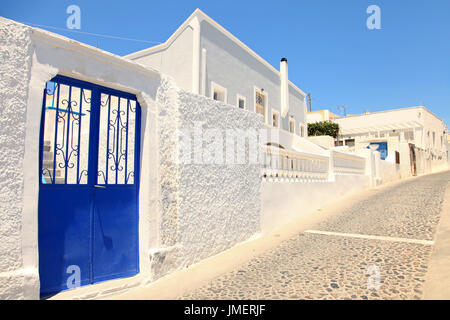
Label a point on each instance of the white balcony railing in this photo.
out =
(282, 164)
(344, 163)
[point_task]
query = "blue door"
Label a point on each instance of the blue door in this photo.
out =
(382, 148)
(88, 185)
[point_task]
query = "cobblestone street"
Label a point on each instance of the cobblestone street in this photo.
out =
(340, 265)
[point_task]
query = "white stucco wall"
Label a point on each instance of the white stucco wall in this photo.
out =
(15, 53)
(201, 52)
(31, 57)
(206, 208)
(186, 212)
(303, 198)
(235, 69)
(174, 60)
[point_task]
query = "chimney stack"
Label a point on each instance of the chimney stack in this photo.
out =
(284, 88)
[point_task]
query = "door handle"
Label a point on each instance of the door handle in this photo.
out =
(99, 186)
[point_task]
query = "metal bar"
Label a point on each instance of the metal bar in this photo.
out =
(66, 164)
(107, 138)
(126, 143)
(79, 136)
(56, 136)
(64, 110)
(117, 142)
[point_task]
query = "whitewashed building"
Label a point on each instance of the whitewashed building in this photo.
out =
(93, 202)
(206, 59)
(413, 137)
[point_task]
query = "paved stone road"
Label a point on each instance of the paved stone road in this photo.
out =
(315, 266)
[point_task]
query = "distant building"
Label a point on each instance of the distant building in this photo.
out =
(321, 115)
(409, 133)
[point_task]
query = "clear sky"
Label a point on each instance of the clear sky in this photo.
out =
(331, 52)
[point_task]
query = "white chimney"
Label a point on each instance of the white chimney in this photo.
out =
(284, 88)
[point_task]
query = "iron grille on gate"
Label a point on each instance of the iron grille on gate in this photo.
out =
(68, 106)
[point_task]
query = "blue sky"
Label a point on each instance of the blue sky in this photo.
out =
(331, 52)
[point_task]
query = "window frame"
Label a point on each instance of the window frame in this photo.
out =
(266, 102)
(303, 131)
(241, 97)
(277, 113)
(292, 120)
(215, 86)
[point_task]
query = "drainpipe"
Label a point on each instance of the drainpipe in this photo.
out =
(284, 88)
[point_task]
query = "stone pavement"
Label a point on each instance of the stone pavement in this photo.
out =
(322, 266)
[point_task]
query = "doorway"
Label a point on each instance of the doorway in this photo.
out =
(88, 185)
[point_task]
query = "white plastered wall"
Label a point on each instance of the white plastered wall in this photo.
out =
(36, 57)
(185, 212)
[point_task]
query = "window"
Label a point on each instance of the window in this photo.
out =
(350, 142)
(275, 119)
(260, 102)
(240, 102)
(291, 125)
(397, 157)
(218, 93)
(409, 135)
(302, 130)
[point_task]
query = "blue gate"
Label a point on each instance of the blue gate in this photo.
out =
(88, 185)
(382, 148)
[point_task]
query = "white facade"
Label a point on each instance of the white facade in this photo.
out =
(182, 218)
(399, 128)
(205, 58)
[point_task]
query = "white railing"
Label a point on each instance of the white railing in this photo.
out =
(282, 164)
(344, 163)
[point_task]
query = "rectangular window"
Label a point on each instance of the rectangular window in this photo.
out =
(291, 125)
(275, 119)
(397, 157)
(302, 130)
(409, 135)
(350, 142)
(240, 102)
(218, 93)
(260, 103)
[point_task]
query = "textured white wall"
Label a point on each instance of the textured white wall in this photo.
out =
(30, 58)
(205, 208)
(15, 53)
(303, 198)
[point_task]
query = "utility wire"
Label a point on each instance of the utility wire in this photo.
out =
(91, 34)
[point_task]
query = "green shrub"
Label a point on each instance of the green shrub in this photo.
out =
(323, 128)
